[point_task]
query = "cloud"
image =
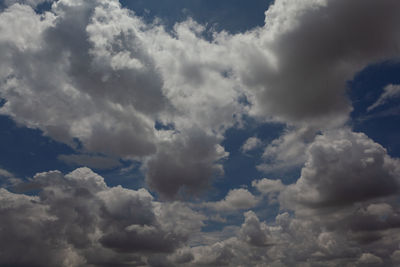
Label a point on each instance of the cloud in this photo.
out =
(5, 173)
(95, 72)
(342, 168)
(287, 151)
(78, 220)
(297, 65)
(253, 231)
(236, 199)
(185, 165)
(389, 92)
(251, 144)
(32, 3)
(267, 186)
(368, 259)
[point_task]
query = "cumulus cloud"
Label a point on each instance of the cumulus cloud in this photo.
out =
(95, 72)
(297, 65)
(267, 186)
(389, 92)
(342, 168)
(236, 199)
(78, 220)
(185, 165)
(287, 151)
(343, 210)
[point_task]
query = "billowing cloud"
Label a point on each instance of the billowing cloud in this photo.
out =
(236, 199)
(97, 77)
(267, 186)
(185, 165)
(297, 65)
(78, 220)
(96, 73)
(342, 168)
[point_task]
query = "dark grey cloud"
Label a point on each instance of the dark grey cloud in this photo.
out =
(297, 65)
(185, 165)
(76, 220)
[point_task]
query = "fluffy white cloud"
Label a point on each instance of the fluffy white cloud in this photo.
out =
(93, 71)
(342, 168)
(236, 199)
(267, 186)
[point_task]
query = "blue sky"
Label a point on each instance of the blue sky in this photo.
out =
(199, 133)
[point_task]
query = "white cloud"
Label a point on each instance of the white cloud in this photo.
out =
(287, 151)
(342, 168)
(389, 92)
(236, 199)
(267, 186)
(251, 144)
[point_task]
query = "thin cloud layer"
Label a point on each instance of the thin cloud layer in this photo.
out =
(389, 92)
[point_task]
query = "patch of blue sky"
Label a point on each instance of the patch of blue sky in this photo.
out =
(382, 123)
(240, 168)
(229, 15)
(25, 151)
(43, 7)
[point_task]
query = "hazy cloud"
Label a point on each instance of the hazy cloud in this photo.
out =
(390, 91)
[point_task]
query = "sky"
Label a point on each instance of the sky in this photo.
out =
(199, 133)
